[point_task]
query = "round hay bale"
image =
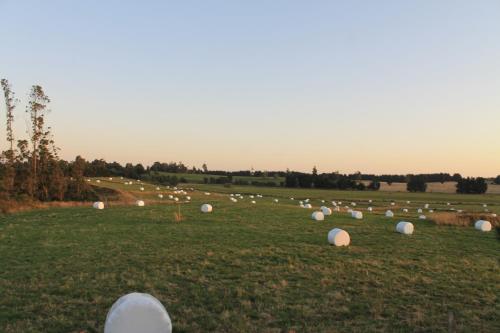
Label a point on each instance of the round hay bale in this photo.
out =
(339, 237)
(318, 216)
(426, 206)
(308, 206)
(422, 217)
(137, 312)
(393, 204)
(98, 205)
(276, 200)
(206, 208)
(370, 201)
(326, 211)
(389, 213)
(207, 193)
(405, 228)
(176, 199)
(493, 215)
(419, 210)
(353, 204)
(139, 203)
(357, 215)
(408, 202)
(483, 225)
(157, 188)
(188, 198)
(142, 188)
(253, 201)
(160, 196)
(485, 205)
(370, 209)
(405, 210)
(98, 181)
(432, 211)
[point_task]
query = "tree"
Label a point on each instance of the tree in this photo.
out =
(497, 180)
(471, 185)
(416, 184)
(374, 185)
(205, 168)
(315, 171)
(9, 155)
(37, 109)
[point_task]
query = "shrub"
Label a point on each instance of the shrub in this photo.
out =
(497, 180)
(374, 185)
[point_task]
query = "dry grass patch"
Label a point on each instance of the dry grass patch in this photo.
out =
(462, 219)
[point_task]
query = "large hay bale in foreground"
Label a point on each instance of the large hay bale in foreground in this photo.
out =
(137, 312)
(483, 225)
(318, 216)
(405, 228)
(206, 208)
(98, 205)
(339, 237)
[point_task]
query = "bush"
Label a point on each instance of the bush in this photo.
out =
(497, 180)
(471, 185)
(416, 184)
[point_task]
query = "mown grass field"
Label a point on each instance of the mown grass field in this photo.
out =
(250, 268)
(196, 178)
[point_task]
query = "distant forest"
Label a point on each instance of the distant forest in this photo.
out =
(31, 167)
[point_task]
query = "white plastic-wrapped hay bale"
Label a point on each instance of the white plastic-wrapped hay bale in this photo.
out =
(405, 210)
(188, 198)
(308, 206)
(110, 179)
(357, 215)
(176, 199)
(419, 210)
(326, 211)
(405, 228)
(139, 203)
(276, 200)
(301, 203)
(422, 217)
(98, 181)
(340, 203)
(142, 188)
(432, 211)
(389, 213)
(254, 202)
(339, 237)
(485, 205)
(322, 201)
(251, 197)
(98, 205)
(370, 209)
(353, 204)
(370, 201)
(493, 215)
(307, 200)
(317, 216)
(206, 208)
(160, 196)
(408, 202)
(137, 312)
(426, 206)
(393, 204)
(157, 188)
(447, 204)
(207, 193)
(483, 225)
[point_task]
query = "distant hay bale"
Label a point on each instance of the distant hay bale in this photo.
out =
(405, 210)
(110, 178)
(408, 202)
(98, 181)
(142, 188)
(422, 217)
(139, 203)
(326, 211)
(432, 211)
(393, 203)
(339, 237)
(389, 213)
(419, 210)
(405, 228)
(426, 206)
(98, 205)
(157, 188)
(308, 206)
(276, 200)
(176, 199)
(160, 196)
(206, 208)
(370, 209)
(353, 204)
(483, 225)
(370, 201)
(318, 216)
(357, 215)
(253, 201)
(137, 312)
(170, 196)
(188, 198)
(207, 193)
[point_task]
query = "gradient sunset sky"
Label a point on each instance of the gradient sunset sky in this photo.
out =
(376, 86)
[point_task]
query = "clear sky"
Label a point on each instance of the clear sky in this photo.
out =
(375, 86)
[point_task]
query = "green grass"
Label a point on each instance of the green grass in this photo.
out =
(248, 268)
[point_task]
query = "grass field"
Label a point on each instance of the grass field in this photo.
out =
(196, 178)
(251, 268)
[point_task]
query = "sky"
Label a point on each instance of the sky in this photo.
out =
(375, 86)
